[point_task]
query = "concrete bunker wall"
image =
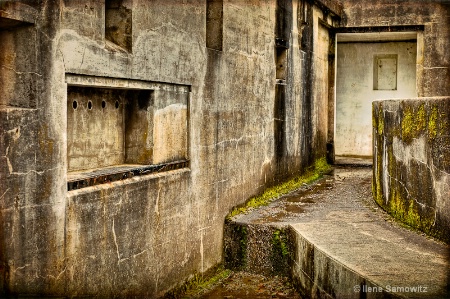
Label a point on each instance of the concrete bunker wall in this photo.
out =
(246, 130)
(32, 162)
(411, 162)
(153, 227)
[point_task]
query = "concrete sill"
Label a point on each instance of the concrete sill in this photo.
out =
(83, 179)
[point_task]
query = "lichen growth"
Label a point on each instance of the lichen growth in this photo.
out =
(403, 209)
(443, 124)
(417, 121)
(414, 122)
(407, 123)
(378, 169)
(380, 125)
(378, 122)
(320, 167)
(421, 120)
(412, 216)
(432, 125)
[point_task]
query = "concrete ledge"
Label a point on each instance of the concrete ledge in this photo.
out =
(355, 258)
(353, 161)
(122, 83)
(98, 176)
(13, 13)
(134, 182)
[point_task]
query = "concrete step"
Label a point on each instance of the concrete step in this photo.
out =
(353, 161)
(334, 242)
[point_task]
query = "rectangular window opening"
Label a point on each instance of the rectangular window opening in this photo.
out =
(118, 133)
(214, 24)
(118, 24)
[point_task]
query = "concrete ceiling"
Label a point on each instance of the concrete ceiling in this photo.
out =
(375, 36)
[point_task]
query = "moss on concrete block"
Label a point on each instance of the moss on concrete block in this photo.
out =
(235, 245)
(282, 252)
(198, 283)
(411, 179)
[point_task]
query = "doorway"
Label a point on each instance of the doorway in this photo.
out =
(369, 66)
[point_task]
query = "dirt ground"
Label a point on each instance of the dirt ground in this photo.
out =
(242, 285)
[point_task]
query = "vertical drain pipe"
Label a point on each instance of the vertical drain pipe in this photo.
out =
(283, 28)
(305, 24)
(331, 96)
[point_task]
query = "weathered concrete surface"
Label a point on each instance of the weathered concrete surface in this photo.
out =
(245, 131)
(135, 226)
(343, 245)
(240, 130)
(33, 162)
(95, 132)
(412, 163)
(170, 133)
(119, 23)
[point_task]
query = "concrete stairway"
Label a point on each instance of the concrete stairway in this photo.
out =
(334, 242)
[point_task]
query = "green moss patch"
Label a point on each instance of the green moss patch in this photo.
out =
(282, 250)
(199, 283)
(432, 126)
(378, 119)
(414, 122)
(235, 251)
(320, 167)
(420, 120)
